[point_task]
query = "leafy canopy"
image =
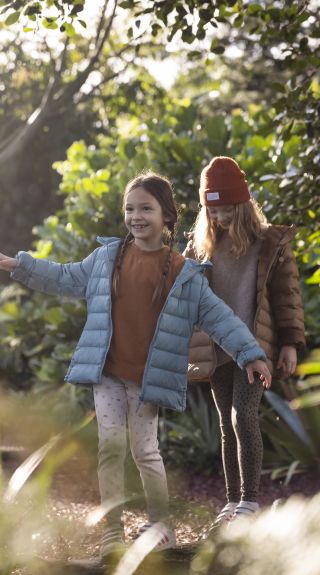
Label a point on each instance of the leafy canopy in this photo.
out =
(52, 14)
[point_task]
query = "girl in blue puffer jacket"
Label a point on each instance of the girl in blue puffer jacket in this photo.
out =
(143, 300)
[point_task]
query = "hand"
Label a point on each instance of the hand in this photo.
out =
(7, 264)
(287, 361)
(262, 368)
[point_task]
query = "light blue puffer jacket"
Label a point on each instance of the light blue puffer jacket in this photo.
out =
(190, 301)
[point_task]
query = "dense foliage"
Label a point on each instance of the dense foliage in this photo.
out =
(39, 332)
(51, 14)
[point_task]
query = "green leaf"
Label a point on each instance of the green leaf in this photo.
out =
(310, 399)
(308, 368)
(188, 36)
(33, 9)
(12, 18)
(283, 408)
(69, 28)
(218, 50)
(194, 55)
(35, 350)
(314, 279)
(291, 471)
(49, 23)
(309, 382)
(10, 309)
(155, 28)
(54, 315)
(267, 177)
(22, 474)
(238, 21)
(254, 9)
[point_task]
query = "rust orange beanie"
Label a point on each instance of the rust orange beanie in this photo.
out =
(223, 182)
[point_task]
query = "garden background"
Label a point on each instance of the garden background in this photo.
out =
(90, 96)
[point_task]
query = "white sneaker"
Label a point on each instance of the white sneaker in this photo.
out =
(112, 541)
(224, 517)
(165, 537)
(226, 514)
(246, 509)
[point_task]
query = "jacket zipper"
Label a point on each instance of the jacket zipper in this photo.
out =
(178, 281)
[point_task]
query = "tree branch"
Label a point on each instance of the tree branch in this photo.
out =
(86, 96)
(63, 58)
(53, 101)
(101, 20)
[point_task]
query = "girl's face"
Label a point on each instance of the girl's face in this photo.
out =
(222, 216)
(144, 219)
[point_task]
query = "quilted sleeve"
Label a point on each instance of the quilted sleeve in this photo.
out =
(286, 301)
(53, 278)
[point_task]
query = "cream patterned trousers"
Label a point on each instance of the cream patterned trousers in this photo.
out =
(117, 409)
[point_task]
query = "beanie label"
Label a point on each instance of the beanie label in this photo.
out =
(211, 196)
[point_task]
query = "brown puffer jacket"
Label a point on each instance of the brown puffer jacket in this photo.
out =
(279, 318)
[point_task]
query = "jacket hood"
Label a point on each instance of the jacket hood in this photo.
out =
(192, 267)
(274, 238)
(280, 234)
(104, 241)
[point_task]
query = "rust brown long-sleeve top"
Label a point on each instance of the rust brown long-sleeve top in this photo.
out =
(134, 316)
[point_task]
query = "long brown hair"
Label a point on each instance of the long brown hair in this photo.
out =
(161, 189)
(246, 226)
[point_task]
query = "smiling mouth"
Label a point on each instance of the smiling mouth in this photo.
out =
(138, 226)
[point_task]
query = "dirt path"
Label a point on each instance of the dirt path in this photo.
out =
(195, 500)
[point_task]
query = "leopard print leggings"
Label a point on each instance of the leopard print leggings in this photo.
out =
(237, 403)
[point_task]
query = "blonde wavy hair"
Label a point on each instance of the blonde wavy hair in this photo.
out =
(247, 225)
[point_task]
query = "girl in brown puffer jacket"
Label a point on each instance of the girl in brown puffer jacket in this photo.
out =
(255, 272)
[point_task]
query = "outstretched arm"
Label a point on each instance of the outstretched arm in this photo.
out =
(69, 279)
(7, 264)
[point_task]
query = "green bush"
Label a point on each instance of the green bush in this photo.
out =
(290, 421)
(192, 439)
(38, 333)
